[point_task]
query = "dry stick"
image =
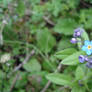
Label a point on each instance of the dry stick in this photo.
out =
(85, 4)
(61, 88)
(14, 82)
(1, 34)
(49, 82)
(25, 61)
(18, 67)
(48, 21)
(45, 18)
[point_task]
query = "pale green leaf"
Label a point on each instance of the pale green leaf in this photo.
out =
(59, 79)
(64, 44)
(78, 89)
(65, 53)
(32, 66)
(65, 26)
(45, 40)
(85, 35)
(72, 59)
(79, 73)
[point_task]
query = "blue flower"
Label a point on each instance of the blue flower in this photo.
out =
(89, 65)
(82, 58)
(87, 47)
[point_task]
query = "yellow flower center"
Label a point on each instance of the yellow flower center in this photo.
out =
(89, 47)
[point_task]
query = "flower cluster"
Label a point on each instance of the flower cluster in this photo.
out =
(77, 34)
(86, 46)
(83, 59)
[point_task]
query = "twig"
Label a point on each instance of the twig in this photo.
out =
(85, 4)
(25, 61)
(1, 34)
(45, 18)
(49, 82)
(46, 86)
(14, 82)
(48, 21)
(61, 88)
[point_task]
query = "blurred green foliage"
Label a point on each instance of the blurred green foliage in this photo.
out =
(46, 27)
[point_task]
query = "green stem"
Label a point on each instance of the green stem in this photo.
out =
(86, 86)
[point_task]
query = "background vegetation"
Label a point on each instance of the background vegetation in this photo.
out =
(33, 31)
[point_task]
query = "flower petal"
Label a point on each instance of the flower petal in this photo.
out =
(84, 48)
(91, 50)
(88, 52)
(87, 42)
(89, 65)
(81, 58)
(91, 43)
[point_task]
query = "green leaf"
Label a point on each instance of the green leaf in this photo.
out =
(34, 2)
(22, 81)
(45, 40)
(59, 79)
(32, 66)
(78, 89)
(21, 90)
(65, 26)
(5, 2)
(41, 73)
(65, 53)
(21, 8)
(64, 44)
(85, 35)
(56, 6)
(2, 74)
(86, 18)
(72, 3)
(48, 65)
(79, 73)
(72, 59)
(38, 13)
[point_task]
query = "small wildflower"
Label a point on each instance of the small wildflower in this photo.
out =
(81, 58)
(4, 22)
(5, 58)
(86, 58)
(78, 32)
(73, 40)
(89, 65)
(87, 47)
(8, 64)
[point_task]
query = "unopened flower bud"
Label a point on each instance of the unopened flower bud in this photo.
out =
(73, 40)
(78, 32)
